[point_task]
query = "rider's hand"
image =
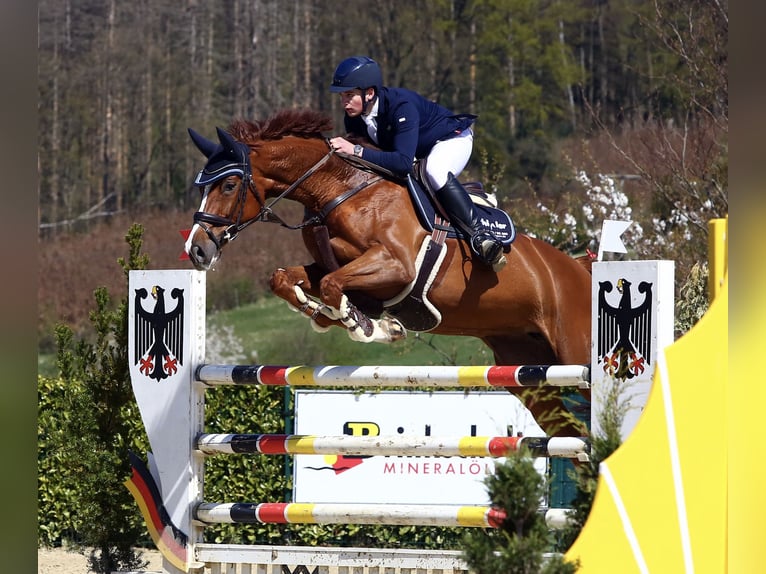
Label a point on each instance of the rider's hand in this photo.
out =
(342, 145)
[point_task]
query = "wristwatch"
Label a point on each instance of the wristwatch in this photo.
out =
(358, 150)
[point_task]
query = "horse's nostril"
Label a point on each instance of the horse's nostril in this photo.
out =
(197, 254)
(201, 258)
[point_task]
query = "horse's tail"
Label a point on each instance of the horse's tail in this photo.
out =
(587, 260)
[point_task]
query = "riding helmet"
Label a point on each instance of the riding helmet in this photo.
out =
(356, 72)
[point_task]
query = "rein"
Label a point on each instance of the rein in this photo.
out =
(317, 218)
(266, 213)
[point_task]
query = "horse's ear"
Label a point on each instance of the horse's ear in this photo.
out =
(204, 145)
(227, 141)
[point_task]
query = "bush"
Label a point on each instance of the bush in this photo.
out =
(518, 546)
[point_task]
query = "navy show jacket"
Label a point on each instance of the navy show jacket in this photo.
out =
(408, 127)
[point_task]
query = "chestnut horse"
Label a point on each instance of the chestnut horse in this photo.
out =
(536, 310)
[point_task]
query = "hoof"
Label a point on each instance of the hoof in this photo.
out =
(363, 329)
(394, 328)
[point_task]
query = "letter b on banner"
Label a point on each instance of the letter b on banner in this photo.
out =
(361, 429)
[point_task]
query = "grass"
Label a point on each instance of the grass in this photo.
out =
(270, 333)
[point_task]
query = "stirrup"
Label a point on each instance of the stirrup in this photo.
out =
(489, 250)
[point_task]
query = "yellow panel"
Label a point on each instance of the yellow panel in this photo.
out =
(718, 255)
(643, 475)
(641, 471)
(603, 545)
(698, 372)
(747, 402)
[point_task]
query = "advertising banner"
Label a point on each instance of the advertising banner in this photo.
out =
(403, 479)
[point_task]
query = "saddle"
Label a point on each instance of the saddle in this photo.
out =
(412, 306)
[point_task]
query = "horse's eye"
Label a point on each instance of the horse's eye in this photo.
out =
(228, 186)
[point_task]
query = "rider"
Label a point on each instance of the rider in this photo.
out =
(404, 125)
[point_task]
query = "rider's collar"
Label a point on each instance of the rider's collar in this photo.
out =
(373, 113)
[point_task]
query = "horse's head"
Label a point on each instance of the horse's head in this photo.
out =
(230, 200)
(235, 186)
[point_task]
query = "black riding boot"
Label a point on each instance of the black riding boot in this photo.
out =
(459, 207)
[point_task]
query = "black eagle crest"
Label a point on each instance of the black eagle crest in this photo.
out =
(159, 335)
(624, 332)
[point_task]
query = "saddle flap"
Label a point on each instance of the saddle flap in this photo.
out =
(492, 219)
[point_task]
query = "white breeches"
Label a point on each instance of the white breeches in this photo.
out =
(447, 156)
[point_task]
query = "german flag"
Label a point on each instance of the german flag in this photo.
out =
(170, 541)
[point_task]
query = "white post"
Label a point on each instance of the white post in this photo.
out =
(166, 344)
(632, 318)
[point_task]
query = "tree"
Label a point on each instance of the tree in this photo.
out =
(519, 544)
(679, 153)
(121, 82)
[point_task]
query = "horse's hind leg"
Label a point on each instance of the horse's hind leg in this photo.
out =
(552, 407)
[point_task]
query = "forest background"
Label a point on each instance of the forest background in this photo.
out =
(588, 109)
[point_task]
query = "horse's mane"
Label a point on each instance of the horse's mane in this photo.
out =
(303, 123)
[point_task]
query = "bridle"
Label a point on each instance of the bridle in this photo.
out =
(266, 213)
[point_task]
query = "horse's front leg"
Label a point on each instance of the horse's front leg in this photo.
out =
(299, 287)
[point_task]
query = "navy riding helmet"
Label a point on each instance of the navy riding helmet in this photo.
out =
(356, 72)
